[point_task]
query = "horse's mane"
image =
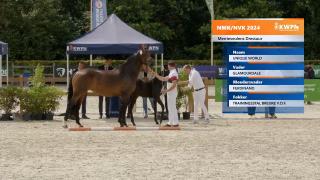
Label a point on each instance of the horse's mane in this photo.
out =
(129, 62)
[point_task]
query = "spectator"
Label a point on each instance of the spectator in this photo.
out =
(269, 112)
(144, 76)
(106, 67)
(309, 74)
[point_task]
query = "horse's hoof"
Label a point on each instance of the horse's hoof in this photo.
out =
(65, 126)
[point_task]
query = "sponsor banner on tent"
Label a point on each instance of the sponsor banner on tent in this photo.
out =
(99, 12)
(258, 30)
(112, 48)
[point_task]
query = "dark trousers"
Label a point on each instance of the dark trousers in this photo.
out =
(84, 105)
(268, 110)
(251, 111)
(107, 102)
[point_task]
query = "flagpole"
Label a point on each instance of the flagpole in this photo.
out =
(106, 8)
(91, 15)
(212, 17)
(91, 28)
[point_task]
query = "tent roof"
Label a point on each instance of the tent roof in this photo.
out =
(113, 36)
(3, 48)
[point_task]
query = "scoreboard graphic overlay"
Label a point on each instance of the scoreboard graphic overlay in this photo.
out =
(264, 61)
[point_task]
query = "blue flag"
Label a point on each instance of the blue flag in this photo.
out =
(98, 12)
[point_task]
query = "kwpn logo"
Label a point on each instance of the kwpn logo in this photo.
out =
(61, 71)
(286, 27)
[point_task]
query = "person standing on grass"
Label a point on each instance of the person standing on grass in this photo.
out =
(199, 93)
(172, 92)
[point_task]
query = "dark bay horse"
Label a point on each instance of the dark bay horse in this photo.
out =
(120, 83)
(152, 89)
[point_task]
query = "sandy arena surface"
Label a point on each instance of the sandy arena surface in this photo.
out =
(225, 149)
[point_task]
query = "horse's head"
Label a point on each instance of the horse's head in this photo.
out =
(144, 56)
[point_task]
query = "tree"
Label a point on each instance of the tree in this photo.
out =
(37, 29)
(40, 29)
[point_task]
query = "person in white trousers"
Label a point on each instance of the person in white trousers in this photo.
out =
(199, 92)
(172, 93)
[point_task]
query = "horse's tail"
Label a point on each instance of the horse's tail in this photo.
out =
(70, 90)
(70, 94)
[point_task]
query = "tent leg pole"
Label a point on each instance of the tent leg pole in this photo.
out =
(162, 67)
(156, 65)
(211, 53)
(67, 71)
(0, 70)
(7, 69)
(90, 59)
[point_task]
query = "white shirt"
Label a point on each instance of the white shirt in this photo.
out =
(195, 79)
(173, 75)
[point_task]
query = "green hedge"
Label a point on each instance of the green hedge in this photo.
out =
(100, 62)
(118, 62)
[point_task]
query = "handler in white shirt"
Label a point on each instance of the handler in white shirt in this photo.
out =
(199, 93)
(172, 93)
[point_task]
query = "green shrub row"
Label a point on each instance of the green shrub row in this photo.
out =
(118, 62)
(38, 99)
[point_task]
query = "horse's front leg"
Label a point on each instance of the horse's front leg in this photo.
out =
(162, 108)
(66, 116)
(122, 113)
(155, 109)
(77, 114)
(131, 104)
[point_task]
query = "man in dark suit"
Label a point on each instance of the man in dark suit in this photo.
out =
(106, 67)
